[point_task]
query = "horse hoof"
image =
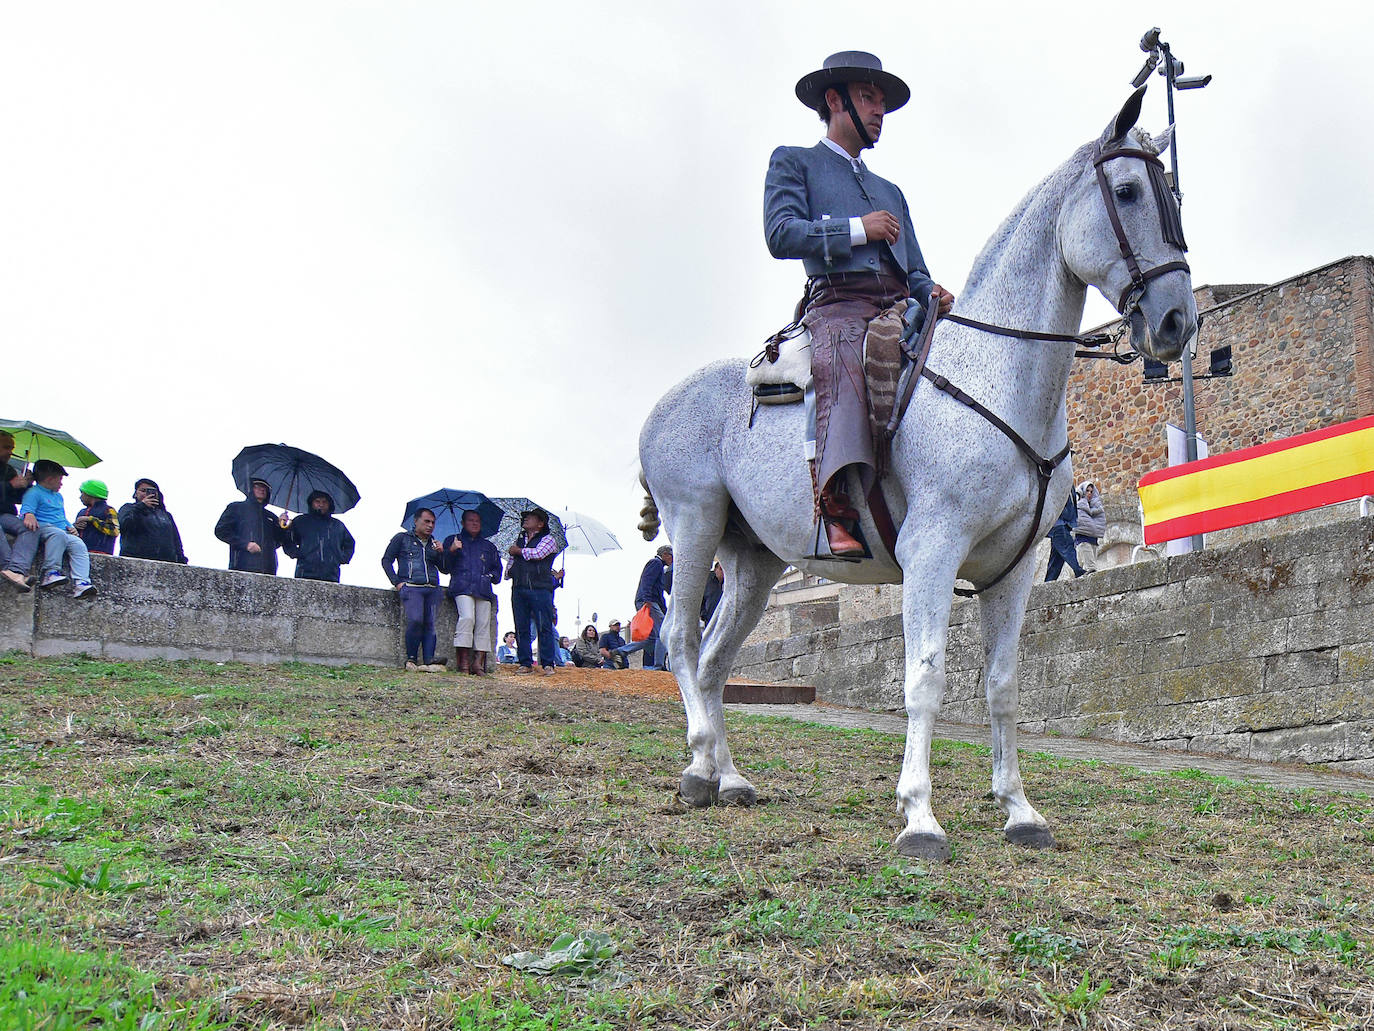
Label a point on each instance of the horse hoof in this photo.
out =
(934, 847)
(1030, 835)
(698, 792)
(739, 796)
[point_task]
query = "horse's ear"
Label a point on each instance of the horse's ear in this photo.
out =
(1126, 118)
(1160, 142)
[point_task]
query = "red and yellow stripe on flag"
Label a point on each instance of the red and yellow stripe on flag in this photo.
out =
(1262, 482)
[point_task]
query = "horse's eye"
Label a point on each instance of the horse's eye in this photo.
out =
(1125, 192)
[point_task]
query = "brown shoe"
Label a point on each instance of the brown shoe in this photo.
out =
(523, 670)
(478, 665)
(834, 508)
(460, 659)
(841, 541)
(546, 670)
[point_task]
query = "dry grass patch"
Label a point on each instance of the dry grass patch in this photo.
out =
(295, 846)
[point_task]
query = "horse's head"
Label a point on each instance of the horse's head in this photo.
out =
(1119, 231)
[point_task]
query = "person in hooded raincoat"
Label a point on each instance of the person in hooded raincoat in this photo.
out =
(318, 541)
(251, 531)
(147, 529)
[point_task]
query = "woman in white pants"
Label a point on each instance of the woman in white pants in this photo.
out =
(473, 565)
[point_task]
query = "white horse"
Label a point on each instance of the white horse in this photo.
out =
(963, 495)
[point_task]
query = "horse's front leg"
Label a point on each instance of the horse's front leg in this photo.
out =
(1003, 612)
(926, 599)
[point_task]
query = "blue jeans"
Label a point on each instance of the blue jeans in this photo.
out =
(655, 650)
(533, 611)
(421, 605)
(56, 542)
(1062, 554)
(20, 557)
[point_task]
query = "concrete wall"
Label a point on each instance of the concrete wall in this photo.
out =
(159, 610)
(1263, 650)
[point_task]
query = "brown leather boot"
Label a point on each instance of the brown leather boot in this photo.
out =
(460, 659)
(478, 666)
(834, 508)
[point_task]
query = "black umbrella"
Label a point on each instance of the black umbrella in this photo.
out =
(448, 506)
(510, 527)
(293, 475)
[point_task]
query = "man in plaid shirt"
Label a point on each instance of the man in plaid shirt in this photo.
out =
(531, 593)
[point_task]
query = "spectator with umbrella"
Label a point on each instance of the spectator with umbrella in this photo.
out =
(412, 561)
(474, 565)
(531, 594)
(16, 559)
(146, 529)
(318, 542)
(251, 531)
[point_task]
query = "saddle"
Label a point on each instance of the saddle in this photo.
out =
(781, 372)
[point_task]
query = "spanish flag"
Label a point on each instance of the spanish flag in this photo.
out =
(1332, 464)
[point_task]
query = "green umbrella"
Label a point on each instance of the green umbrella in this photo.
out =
(32, 442)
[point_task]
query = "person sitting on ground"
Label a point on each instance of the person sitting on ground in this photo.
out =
(612, 647)
(473, 565)
(43, 510)
(411, 563)
(318, 541)
(146, 529)
(564, 651)
(252, 532)
(507, 653)
(16, 558)
(96, 522)
(586, 650)
(1092, 524)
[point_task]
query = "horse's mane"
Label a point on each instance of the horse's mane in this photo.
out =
(1056, 183)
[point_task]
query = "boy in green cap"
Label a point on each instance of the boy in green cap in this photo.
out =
(97, 523)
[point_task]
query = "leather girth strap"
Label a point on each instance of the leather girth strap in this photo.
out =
(1044, 470)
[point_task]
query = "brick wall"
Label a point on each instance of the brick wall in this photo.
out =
(1263, 650)
(1304, 358)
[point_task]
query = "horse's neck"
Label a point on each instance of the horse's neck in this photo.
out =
(1020, 280)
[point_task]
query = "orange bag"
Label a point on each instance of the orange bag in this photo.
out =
(642, 625)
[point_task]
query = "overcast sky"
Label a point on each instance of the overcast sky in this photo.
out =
(469, 245)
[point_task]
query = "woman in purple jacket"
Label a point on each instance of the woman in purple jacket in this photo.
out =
(473, 565)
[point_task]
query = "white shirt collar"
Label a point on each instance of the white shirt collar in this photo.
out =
(854, 163)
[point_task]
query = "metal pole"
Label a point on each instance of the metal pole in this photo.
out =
(1189, 411)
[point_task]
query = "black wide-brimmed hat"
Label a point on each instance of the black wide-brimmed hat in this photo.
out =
(852, 66)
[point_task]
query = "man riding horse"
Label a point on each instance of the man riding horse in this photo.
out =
(853, 232)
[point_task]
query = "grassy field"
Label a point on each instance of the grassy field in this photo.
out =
(193, 845)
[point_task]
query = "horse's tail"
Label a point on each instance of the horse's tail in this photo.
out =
(649, 523)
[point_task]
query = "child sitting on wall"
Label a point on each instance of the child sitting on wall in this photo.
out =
(97, 523)
(44, 511)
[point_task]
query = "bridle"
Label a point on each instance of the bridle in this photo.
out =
(1170, 225)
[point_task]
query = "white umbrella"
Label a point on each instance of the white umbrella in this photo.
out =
(585, 535)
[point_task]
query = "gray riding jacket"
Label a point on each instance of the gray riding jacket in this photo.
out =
(809, 196)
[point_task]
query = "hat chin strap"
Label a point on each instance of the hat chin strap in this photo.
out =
(842, 88)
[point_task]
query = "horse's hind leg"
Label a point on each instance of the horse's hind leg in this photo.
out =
(1003, 612)
(750, 575)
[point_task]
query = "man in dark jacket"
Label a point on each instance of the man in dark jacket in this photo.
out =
(656, 578)
(1061, 542)
(318, 542)
(147, 529)
(412, 562)
(251, 531)
(531, 593)
(474, 565)
(15, 560)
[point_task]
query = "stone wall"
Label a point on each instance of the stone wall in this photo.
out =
(160, 610)
(1302, 355)
(1264, 650)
